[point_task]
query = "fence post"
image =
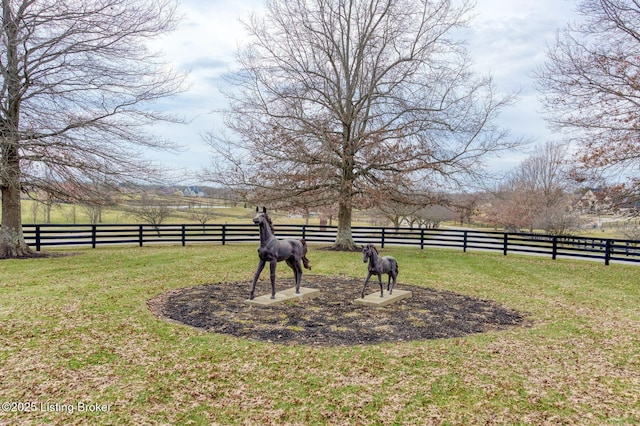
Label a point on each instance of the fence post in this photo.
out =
(608, 252)
(464, 242)
(184, 235)
(505, 244)
(421, 238)
(93, 236)
(554, 249)
(140, 235)
(382, 238)
(224, 234)
(37, 237)
(304, 231)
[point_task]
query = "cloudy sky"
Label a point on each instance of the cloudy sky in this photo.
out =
(507, 38)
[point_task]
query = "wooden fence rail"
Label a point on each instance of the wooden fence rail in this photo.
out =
(48, 235)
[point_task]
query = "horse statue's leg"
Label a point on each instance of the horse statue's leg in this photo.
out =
(381, 286)
(272, 268)
(297, 272)
(256, 276)
(365, 283)
(393, 273)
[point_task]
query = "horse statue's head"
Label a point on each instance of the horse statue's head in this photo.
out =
(367, 252)
(262, 218)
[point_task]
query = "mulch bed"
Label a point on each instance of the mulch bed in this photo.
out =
(332, 319)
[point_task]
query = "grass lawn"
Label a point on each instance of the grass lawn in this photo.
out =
(78, 345)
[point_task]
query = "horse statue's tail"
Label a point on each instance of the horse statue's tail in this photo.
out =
(305, 261)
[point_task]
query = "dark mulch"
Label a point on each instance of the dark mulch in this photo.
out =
(332, 319)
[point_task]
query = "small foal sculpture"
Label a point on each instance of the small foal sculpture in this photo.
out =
(378, 266)
(274, 250)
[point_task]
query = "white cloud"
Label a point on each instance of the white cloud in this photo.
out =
(507, 38)
(204, 45)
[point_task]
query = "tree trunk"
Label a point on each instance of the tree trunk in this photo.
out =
(344, 240)
(12, 243)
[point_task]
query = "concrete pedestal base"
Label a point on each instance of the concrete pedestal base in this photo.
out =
(284, 295)
(374, 299)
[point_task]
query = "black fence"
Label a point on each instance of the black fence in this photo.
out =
(608, 250)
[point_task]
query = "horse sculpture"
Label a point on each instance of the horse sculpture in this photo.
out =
(274, 250)
(378, 266)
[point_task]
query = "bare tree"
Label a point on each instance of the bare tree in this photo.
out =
(77, 78)
(396, 212)
(591, 87)
(560, 220)
(151, 210)
(93, 211)
(631, 232)
(514, 206)
(202, 215)
(545, 171)
(464, 206)
(431, 217)
(535, 194)
(339, 98)
(35, 210)
(70, 213)
(407, 207)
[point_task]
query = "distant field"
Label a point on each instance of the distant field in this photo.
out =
(75, 332)
(33, 212)
(224, 212)
(66, 213)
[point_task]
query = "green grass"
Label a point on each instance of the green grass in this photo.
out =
(77, 329)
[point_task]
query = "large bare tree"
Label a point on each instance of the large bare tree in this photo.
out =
(345, 100)
(76, 80)
(536, 193)
(591, 88)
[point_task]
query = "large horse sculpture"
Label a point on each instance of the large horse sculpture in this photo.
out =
(377, 266)
(274, 250)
